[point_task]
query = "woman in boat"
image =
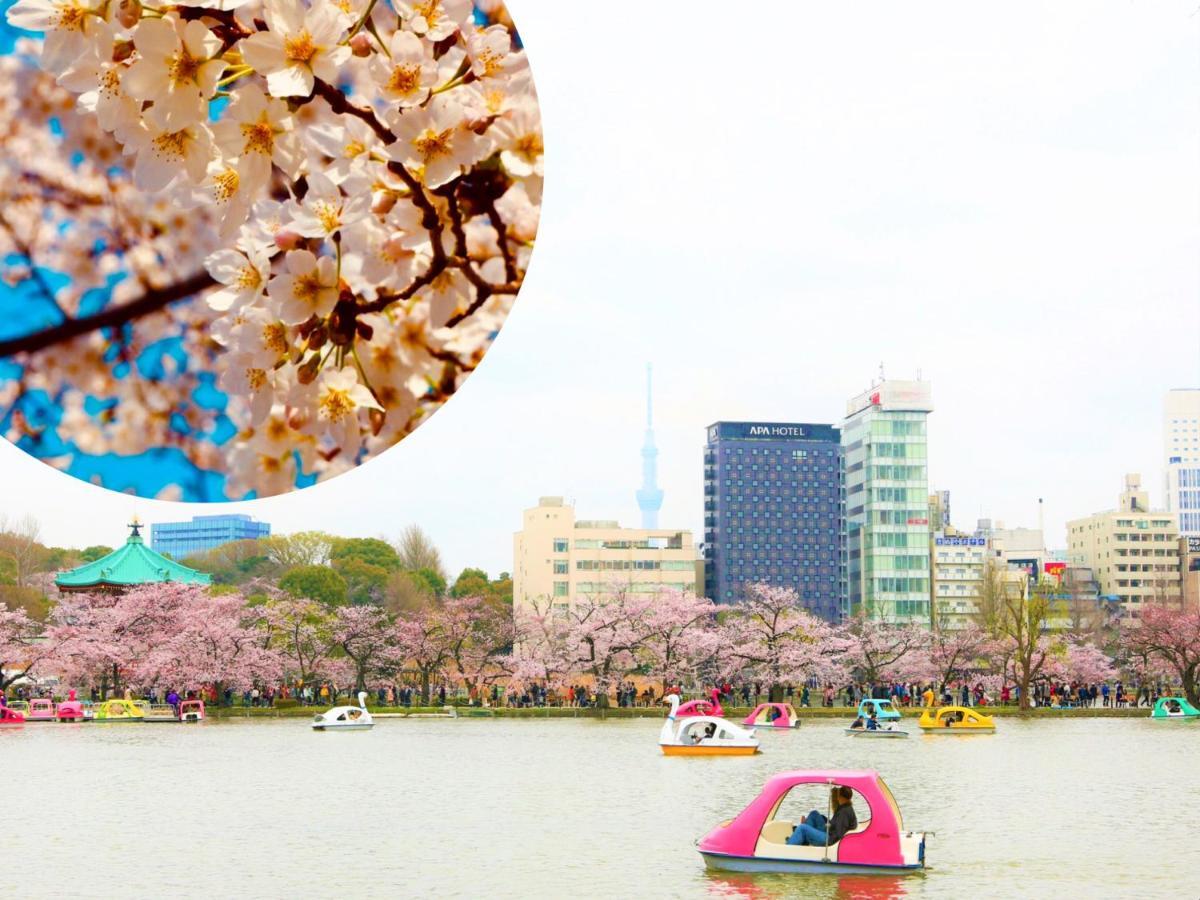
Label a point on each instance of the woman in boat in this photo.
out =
(818, 831)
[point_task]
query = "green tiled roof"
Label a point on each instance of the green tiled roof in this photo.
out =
(135, 563)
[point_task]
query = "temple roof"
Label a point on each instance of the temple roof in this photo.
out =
(127, 566)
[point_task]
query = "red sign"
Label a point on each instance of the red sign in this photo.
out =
(918, 521)
(875, 399)
(1056, 569)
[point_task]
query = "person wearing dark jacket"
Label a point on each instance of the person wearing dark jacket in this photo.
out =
(817, 831)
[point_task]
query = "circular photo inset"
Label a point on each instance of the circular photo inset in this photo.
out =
(247, 245)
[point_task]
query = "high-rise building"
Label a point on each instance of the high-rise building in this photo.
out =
(887, 502)
(184, 539)
(773, 511)
(559, 560)
(649, 495)
(1181, 451)
(958, 567)
(1132, 551)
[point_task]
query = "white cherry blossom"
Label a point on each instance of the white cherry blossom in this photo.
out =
(308, 288)
(300, 46)
(178, 69)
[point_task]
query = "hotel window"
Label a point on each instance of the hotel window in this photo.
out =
(560, 567)
(560, 545)
(560, 588)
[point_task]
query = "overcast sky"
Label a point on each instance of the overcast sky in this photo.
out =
(768, 201)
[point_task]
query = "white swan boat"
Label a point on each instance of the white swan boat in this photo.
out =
(345, 717)
(704, 736)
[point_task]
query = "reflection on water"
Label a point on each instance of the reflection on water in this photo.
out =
(569, 808)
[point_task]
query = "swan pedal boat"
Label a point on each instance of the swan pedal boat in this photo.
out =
(71, 710)
(786, 716)
(345, 718)
(1174, 708)
(955, 720)
(687, 737)
(756, 841)
(10, 716)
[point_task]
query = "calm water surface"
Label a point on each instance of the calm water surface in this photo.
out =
(572, 808)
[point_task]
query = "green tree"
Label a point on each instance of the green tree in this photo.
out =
(417, 551)
(365, 583)
(320, 583)
(500, 591)
(304, 548)
(94, 552)
(470, 583)
(432, 580)
(372, 551)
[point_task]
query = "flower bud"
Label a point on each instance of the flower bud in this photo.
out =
(377, 417)
(287, 240)
(316, 340)
(383, 202)
(361, 44)
(307, 373)
(129, 12)
(122, 50)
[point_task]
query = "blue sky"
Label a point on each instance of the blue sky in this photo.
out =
(768, 206)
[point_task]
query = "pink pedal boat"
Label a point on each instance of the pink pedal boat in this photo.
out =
(10, 716)
(756, 841)
(773, 715)
(40, 710)
(70, 710)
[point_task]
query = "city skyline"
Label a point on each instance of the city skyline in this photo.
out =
(1005, 232)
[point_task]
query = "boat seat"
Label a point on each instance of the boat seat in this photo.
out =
(777, 831)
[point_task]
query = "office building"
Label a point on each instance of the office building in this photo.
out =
(1181, 450)
(887, 502)
(773, 512)
(1132, 551)
(183, 539)
(559, 560)
(958, 567)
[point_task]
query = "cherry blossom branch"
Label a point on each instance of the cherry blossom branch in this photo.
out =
(151, 301)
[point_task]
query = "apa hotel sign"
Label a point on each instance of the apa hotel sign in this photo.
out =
(772, 431)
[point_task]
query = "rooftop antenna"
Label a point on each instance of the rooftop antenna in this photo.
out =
(882, 377)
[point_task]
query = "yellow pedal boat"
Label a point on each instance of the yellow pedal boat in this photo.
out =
(955, 720)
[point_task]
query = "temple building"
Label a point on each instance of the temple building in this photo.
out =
(128, 566)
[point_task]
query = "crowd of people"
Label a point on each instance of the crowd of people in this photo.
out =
(627, 694)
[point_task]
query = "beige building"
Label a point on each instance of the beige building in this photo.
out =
(1133, 552)
(957, 564)
(559, 560)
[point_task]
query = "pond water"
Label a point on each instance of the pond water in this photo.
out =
(572, 808)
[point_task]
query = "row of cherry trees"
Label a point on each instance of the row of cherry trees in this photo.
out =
(187, 637)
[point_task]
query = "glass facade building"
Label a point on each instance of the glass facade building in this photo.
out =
(773, 512)
(180, 540)
(887, 502)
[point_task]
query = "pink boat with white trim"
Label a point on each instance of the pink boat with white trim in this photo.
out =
(773, 715)
(756, 841)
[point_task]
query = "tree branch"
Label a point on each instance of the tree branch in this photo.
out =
(151, 301)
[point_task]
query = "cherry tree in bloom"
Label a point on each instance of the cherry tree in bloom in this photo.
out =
(271, 236)
(208, 640)
(365, 635)
(953, 653)
(1168, 638)
(880, 652)
(770, 637)
(303, 633)
(479, 637)
(21, 651)
(679, 638)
